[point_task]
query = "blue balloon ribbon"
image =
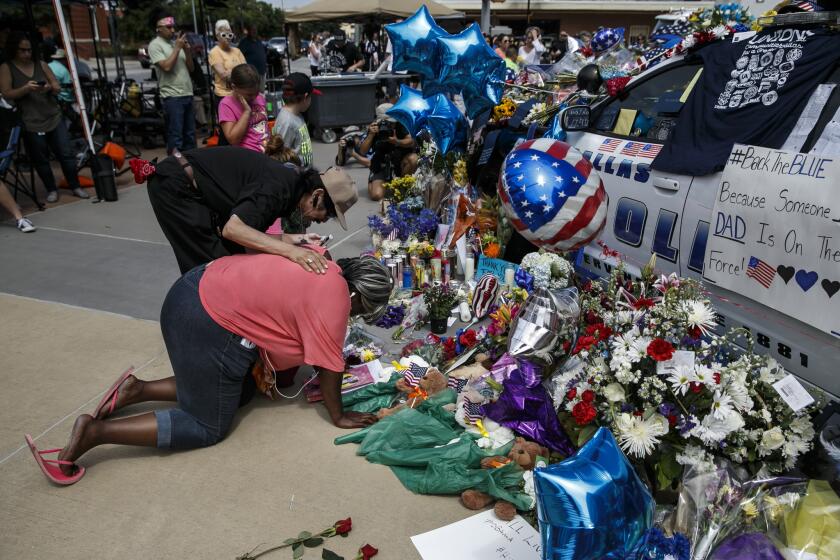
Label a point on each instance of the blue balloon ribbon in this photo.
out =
(524, 280)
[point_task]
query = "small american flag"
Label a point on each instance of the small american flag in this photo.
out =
(456, 383)
(631, 149)
(472, 412)
(649, 150)
(761, 272)
(413, 374)
(609, 145)
(805, 6)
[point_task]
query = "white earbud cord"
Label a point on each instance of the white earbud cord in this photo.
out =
(264, 354)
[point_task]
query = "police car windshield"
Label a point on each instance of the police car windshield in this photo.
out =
(646, 106)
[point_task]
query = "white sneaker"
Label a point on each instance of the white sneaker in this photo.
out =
(81, 193)
(25, 225)
(52, 196)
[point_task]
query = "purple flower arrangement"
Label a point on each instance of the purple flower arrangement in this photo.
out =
(393, 317)
(407, 220)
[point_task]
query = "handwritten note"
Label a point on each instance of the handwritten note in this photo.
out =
(775, 235)
(481, 537)
(496, 267)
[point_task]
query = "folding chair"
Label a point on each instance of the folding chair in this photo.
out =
(12, 155)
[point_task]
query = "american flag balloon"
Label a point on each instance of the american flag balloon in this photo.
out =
(552, 195)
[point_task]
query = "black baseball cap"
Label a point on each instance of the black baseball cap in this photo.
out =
(298, 83)
(339, 36)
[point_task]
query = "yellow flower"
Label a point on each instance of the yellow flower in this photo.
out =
(368, 355)
(750, 510)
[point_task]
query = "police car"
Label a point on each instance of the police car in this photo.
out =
(669, 215)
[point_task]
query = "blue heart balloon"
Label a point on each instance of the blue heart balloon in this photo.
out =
(593, 504)
(469, 65)
(413, 44)
(411, 110)
(446, 123)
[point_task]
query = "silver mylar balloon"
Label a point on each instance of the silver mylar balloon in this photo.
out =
(545, 320)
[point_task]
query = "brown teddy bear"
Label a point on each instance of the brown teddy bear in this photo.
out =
(432, 383)
(524, 453)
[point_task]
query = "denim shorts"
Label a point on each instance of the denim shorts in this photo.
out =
(210, 364)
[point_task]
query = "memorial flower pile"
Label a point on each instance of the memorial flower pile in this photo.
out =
(649, 366)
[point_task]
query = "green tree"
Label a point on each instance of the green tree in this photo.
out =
(137, 23)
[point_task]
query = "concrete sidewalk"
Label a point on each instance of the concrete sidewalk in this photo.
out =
(80, 304)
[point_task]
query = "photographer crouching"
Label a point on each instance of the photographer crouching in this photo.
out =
(394, 152)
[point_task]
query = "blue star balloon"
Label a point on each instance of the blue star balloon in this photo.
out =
(469, 65)
(552, 195)
(411, 110)
(446, 123)
(606, 38)
(414, 45)
(592, 505)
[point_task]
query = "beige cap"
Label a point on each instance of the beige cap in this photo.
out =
(342, 190)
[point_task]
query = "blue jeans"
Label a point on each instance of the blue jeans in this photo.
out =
(180, 123)
(40, 144)
(210, 365)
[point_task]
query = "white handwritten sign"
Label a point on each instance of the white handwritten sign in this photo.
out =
(775, 233)
(481, 537)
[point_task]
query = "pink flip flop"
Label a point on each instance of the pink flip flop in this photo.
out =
(110, 398)
(51, 467)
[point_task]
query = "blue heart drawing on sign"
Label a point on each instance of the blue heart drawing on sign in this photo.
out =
(806, 279)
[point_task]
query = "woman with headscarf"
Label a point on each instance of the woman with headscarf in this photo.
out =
(223, 58)
(213, 202)
(216, 320)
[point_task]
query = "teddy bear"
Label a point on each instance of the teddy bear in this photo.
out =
(524, 453)
(432, 383)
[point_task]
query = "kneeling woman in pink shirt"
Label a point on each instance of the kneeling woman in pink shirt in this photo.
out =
(217, 320)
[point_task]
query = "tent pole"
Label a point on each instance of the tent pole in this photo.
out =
(74, 73)
(206, 36)
(485, 16)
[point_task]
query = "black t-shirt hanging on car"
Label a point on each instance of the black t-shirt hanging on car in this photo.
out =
(752, 91)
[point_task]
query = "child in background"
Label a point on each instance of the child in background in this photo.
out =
(297, 96)
(511, 59)
(242, 116)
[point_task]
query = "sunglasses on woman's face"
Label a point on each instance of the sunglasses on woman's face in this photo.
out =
(226, 35)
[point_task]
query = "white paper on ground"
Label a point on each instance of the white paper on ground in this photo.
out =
(377, 371)
(481, 537)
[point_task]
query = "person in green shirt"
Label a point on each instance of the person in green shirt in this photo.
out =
(62, 74)
(174, 63)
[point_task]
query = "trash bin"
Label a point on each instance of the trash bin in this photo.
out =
(344, 101)
(104, 178)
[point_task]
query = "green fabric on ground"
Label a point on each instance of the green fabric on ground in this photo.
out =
(453, 477)
(373, 397)
(420, 450)
(406, 429)
(464, 451)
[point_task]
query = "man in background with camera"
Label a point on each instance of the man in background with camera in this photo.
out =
(394, 151)
(174, 63)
